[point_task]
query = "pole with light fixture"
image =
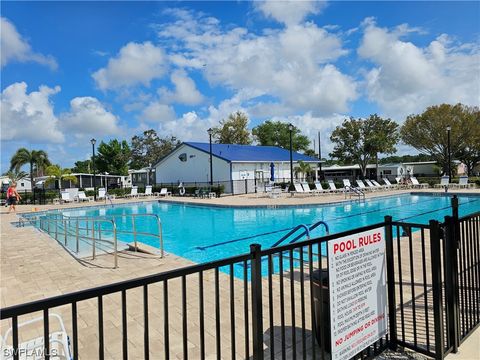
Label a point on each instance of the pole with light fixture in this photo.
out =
(93, 141)
(210, 132)
(290, 129)
(449, 128)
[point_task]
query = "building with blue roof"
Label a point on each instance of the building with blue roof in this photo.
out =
(240, 168)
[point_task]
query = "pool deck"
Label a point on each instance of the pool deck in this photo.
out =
(33, 267)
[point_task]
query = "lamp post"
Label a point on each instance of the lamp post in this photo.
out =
(210, 132)
(290, 130)
(148, 173)
(449, 128)
(320, 156)
(93, 141)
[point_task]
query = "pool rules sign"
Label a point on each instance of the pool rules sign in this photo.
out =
(358, 292)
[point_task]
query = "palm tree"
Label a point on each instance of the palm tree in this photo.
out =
(16, 175)
(56, 173)
(38, 158)
(303, 169)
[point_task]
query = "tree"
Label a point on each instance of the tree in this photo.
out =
(148, 148)
(233, 130)
(56, 173)
(427, 132)
(113, 157)
(16, 175)
(359, 141)
(84, 167)
(276, 133)
(37, 159)
(303, 169)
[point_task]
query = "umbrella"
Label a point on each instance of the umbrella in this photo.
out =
(272, 171)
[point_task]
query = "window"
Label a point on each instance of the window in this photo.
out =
(22, 184)
(387, 172)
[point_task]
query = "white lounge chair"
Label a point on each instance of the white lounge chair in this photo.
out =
(164, 192)
(444, 181)
(361, 185)
(102, 194)
(82, 197)
(66, 196)
(332, 186)
(148, 191)
(133, 192)
(320, 189)
(347, 183)
(307, 190)
(388, 184)
(377, 185)
(401, 184)
(416, 184)
(59, 342)
(463, 182)
(298, 189)
(372, 186)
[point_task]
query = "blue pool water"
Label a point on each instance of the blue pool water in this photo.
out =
(205, 233)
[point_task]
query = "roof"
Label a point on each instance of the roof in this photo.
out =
(420, 163)
(346, 167)
(250, 153)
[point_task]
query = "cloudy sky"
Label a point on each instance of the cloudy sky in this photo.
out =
(73, 71)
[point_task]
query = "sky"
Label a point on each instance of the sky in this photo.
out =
(72, 71)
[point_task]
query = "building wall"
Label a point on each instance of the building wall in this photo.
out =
(423, 170)
(22, 184)
(196, 168)
(241, 171)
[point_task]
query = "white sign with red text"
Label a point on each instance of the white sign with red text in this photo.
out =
(358, 292)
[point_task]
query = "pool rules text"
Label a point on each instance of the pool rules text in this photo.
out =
(358, 292)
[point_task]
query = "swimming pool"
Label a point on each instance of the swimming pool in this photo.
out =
(206, 233)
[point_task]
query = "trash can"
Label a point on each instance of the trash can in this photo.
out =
(322, 324)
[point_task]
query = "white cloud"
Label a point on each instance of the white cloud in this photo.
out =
(156, 112)
(408, 78)
(135, 64)
(29, 117)
(185, 92)
(190, 127)
(290, 12)
(293, 65)
(87, 116)
(15, 48)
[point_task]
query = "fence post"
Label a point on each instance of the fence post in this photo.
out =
(246, 186)
(451, 283)
(435, 254)
(257, 316)
(392, 312)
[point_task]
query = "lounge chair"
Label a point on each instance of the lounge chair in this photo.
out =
(133, 192)
(298, 189)
(463, 182)
(59, 341)
(377, 185)
(306, 189)
(372, 186)
(319, 188)
(332, 186)
(401, 184)
(82, 197)
(416, 184)
(347, 184)
(148, 191)
(444, 181)
(66, 197)
(361, 185)
(388, 184)
(165, 192)
(102, 194)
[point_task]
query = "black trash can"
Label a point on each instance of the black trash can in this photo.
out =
(322, 324)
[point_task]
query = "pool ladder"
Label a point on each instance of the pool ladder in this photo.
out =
(355, 191)
(306, 231)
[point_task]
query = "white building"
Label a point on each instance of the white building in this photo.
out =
(22, 184)
(238, 167)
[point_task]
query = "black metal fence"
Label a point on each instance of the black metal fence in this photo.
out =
(273, 303)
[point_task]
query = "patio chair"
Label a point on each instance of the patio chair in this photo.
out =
(66, 197)
(332, 186)
(307, 190)
(59, 341)
(164, 192)
(444, 181)
(82, 197)
(416, 184)
(361, 185)
(388, 184)
(463, 182)
(148, 191)
(372, 186)
(133, 192)
(102, 194)
(377, 185)
(347, 183)
(320, 189)
(298, 189)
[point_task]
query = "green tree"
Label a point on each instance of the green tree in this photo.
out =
(84, 167)
(303, 169)
(405, 158)
(277, 133)
(113, 157)
(427, 132)
(57, 174)
(36, 159)
(149, 148)
(15, 175)
(359, 141)
(233, 130)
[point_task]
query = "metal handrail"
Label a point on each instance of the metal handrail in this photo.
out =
(307, 232)
(94, 220)
(355, 190)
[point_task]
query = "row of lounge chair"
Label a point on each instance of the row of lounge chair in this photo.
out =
(462, 183)
(66, 196)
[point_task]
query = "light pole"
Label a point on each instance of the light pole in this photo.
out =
(148, 173)
(290, 130)
(210, 131)
(320, 156)
(449, 128)
(93, 141)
